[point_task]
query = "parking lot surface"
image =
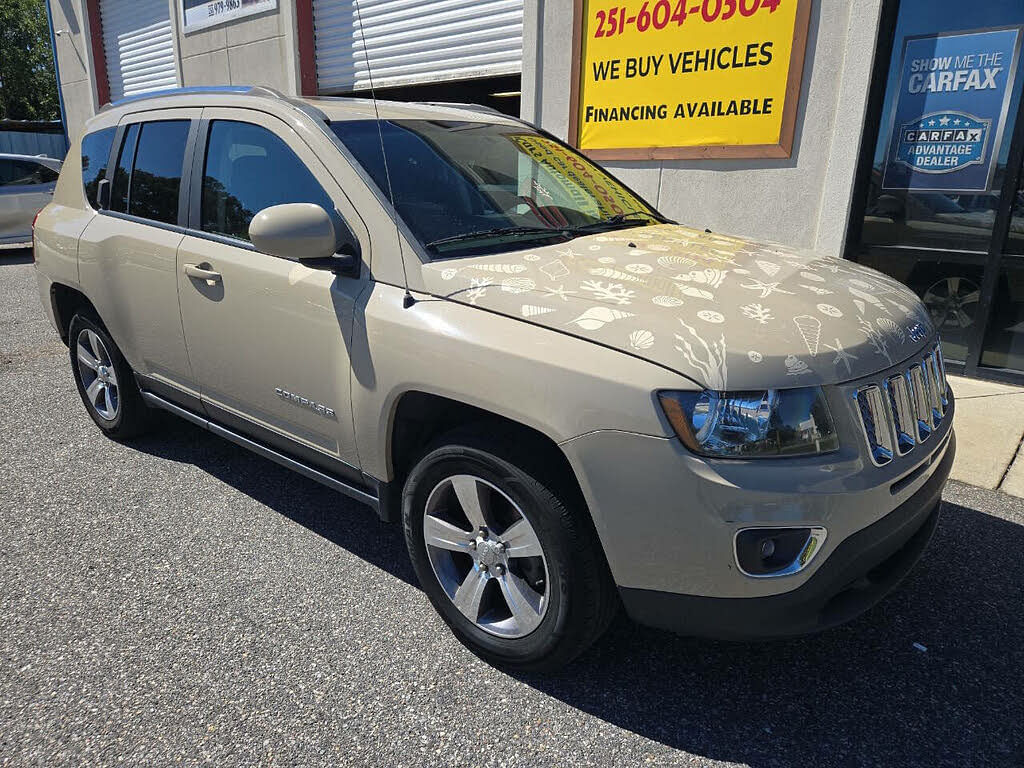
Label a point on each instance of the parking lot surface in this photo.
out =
(179, 600)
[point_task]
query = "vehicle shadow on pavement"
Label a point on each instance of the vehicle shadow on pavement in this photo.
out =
(15, 256)
(861, 694)
(858, 695)
(325, 512)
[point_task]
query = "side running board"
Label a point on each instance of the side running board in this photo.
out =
(268, 453)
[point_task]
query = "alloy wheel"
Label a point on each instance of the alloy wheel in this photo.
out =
(99, 379)
(486, 556)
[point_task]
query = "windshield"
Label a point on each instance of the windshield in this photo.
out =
(467, 187)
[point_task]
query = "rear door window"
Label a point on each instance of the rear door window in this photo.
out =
(156, 174)
(247, 169)
(95, 156)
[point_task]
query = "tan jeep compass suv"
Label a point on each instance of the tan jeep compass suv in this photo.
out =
(567, 400)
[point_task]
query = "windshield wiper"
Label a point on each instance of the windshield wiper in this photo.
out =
(501, 231)
(621, 220)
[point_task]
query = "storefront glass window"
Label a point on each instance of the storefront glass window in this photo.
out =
(946, 131)
(1004, 336)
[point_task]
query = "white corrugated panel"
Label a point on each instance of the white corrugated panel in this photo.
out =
(139, 45)
(409, 42)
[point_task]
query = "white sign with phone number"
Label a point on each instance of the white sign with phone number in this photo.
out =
(199, 14)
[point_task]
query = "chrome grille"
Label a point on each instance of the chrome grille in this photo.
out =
(903, 410)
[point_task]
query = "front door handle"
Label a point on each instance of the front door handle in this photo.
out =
(202, 272)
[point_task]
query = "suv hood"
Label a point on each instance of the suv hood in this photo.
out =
(725, 312)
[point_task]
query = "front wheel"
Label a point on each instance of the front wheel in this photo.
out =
(511, 564)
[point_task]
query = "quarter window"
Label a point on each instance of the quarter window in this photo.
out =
(95, 156)
(156, 174)
(248, 169)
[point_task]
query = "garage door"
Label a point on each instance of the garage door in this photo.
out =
(410, 42)
(139, 45)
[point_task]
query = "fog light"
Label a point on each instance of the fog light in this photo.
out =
(767, 552)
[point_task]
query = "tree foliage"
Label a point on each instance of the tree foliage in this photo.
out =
(28, 88)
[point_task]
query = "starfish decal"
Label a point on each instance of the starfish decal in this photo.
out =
(559, 292)
(766, 289)
(842, 356)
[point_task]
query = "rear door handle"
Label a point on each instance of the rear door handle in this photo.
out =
(202, 272)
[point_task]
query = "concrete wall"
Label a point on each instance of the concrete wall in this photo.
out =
(256, 50)
(802, 201)
(74, 57)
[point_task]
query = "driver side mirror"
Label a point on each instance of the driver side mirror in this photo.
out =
(306, 233)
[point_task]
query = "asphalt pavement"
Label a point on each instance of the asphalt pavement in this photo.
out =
(181, 601)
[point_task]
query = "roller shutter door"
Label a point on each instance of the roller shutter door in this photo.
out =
(139, 45)
(410, 42)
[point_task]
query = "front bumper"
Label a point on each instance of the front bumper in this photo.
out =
(858, 573)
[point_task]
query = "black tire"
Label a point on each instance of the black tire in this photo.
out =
(131, 415)
(581, 596)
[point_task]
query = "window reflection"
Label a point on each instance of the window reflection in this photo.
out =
(951, 291)
(929, 219)
(1004, 337)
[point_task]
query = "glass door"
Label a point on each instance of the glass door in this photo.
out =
(1003, 344)
(933, 211)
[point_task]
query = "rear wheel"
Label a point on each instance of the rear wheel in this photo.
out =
(508, 561)
(105, 380)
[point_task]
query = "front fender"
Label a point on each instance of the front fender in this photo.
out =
(557, 384)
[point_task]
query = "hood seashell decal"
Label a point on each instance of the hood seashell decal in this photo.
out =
(641, 339)
(725, 312)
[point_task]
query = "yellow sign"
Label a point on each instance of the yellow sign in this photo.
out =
(688, 78)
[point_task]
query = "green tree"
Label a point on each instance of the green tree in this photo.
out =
(28, 89)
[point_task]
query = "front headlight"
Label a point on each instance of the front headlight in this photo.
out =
(760, 424)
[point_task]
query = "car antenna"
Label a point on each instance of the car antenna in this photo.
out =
(407, 300)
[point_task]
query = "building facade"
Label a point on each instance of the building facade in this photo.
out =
(941, 207)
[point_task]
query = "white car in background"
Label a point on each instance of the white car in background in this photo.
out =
(26, 186)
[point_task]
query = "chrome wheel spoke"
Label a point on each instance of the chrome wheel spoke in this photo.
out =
(96, 345)
(444, 535)
(468, 492)
(111, 377)
(85, 357)
(469, 594)
(93, 391)
(521, 540)
(108, 403)
(523, 601)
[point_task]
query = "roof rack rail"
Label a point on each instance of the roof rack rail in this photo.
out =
(467, 105)
(249, 90)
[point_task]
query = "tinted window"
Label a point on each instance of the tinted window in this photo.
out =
(123, 170)
(17, 173)
(248, 169)
(467, 180)
(156, 175)
(95, 155)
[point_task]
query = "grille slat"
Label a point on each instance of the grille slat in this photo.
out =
(905, 409)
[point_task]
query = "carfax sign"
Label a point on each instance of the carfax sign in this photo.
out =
(199, 14)
(950, 110)
(687, 78)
